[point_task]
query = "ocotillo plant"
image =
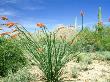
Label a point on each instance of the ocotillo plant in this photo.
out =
(50, 54)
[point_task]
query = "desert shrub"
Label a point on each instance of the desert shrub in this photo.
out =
(75, 72)
(11, 57)
(86, 40)
(106, 38)
(84, 60)
(102, 39)
(84, 66)
(95, 40)
(22, 75)
(84, 57)
(105, 55)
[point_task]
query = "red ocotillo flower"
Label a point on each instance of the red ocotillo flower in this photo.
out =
(6, 33)
(4, 18)
(14, 36)
(40, 25)
(10, 24)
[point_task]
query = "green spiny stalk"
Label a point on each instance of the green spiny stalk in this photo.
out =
(99, 14)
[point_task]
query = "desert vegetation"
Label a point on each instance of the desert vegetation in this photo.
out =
(63, 55)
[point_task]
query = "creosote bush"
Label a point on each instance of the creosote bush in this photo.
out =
(11, 57)
(84, 57)
(93, 40)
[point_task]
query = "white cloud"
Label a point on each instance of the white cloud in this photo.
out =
(11, 1)
(39, 5)
(15, 1)
(34, 8)
(3, 2)
(6, 12)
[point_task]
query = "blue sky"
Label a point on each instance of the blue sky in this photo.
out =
(53, 12)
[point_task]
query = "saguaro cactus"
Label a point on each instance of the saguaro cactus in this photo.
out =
(100, 23)
(99, 14)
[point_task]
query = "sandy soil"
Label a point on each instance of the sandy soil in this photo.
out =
(98, 71)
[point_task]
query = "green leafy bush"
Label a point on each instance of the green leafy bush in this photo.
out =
(86, 40)
(11, 57)
(94, 41)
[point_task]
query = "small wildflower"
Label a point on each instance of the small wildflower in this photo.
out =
(40, 25)
(82, 13)
(14, 36)
(78, 37)
(4, 18)
(86, 80)
(10, 24)
(40, 50)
